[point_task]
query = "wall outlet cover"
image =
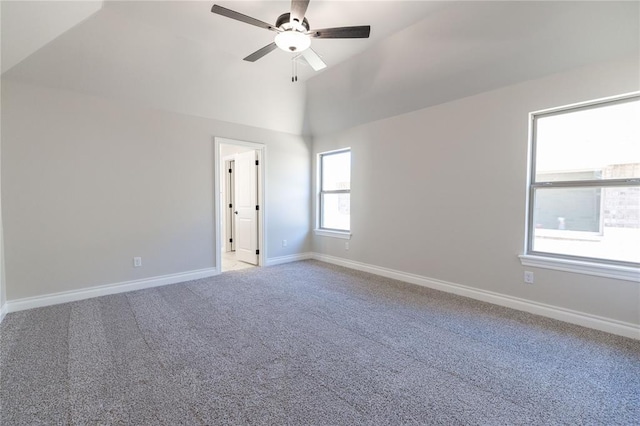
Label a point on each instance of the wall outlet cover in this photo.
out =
(528, 277)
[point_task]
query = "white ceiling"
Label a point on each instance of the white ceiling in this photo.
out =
(193, 20)
(178, 56)
(468, 48)
(29, 25)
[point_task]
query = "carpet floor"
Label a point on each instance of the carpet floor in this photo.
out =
(308, 343)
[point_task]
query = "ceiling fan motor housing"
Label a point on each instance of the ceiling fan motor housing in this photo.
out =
(284, 22)
(293, 35)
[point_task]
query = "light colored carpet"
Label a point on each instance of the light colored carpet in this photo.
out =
(308, 343)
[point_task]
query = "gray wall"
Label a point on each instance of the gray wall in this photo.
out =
(3, 296)
(440, 192)
(88, 183)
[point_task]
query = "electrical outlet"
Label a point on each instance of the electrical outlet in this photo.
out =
(284, 243)
(137, 262)
(346, 245)
(528, 277)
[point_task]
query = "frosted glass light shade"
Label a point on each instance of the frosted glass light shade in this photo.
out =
(292, 41)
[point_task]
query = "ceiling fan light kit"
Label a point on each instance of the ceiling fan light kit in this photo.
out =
(292, 41)
(294, 34)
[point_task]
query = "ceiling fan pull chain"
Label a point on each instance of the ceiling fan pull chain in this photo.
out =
(294, 69)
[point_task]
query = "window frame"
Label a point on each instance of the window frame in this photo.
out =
(320, 229)
(574, 263)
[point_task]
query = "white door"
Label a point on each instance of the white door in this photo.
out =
(246, 207)
(229, 208)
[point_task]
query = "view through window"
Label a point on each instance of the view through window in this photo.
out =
(585, 182)
(335, 190)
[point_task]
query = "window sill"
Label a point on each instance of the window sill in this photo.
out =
(345, 235)
(617, 272)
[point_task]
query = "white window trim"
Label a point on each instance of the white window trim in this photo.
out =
(556, 262)
(327, 232)
(618, 272)
(345, 235)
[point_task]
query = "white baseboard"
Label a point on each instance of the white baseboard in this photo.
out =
(103, 290)
(567, 315)
(3, 312)
(286, 259)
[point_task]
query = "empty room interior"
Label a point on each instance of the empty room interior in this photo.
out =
(179, 244)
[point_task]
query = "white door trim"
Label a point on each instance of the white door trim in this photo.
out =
(261, 149)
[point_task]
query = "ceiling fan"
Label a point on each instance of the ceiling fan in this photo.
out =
(293, 32)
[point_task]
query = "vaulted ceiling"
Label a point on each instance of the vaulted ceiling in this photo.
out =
(178, 56)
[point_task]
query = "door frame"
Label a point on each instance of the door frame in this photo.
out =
(218, 203)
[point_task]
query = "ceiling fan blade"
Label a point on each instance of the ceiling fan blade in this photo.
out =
(313, 59)
(240, 17)
(298, 9)
(342, 32)
(261, 52)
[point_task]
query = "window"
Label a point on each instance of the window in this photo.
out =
(335, 191)
(584, 192)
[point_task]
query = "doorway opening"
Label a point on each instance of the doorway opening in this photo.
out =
(239, 195)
